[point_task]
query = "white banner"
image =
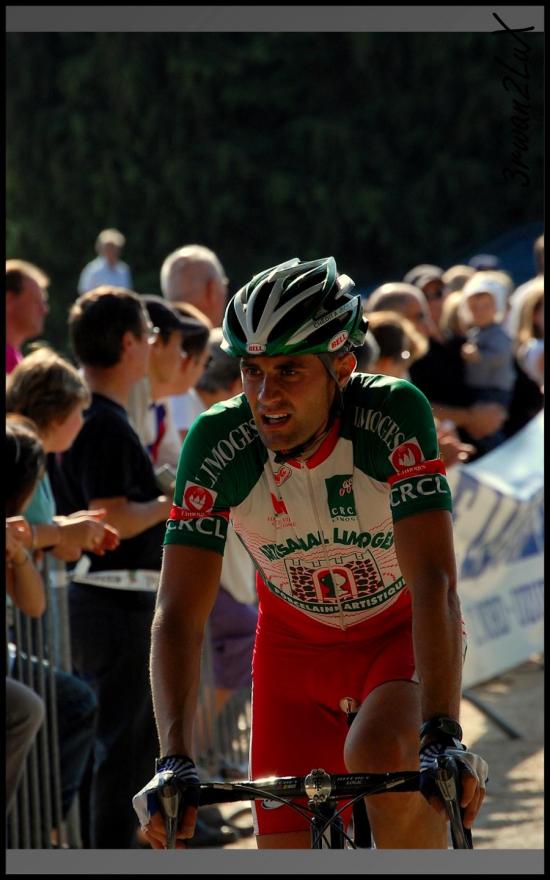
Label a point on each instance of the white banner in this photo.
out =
(498, 530)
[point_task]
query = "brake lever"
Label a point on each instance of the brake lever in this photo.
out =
(169, 798)
(447, 779)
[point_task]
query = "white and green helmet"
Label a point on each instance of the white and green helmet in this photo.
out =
(295, 308)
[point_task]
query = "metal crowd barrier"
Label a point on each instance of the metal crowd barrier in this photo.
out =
(221, 739)
(37, 647)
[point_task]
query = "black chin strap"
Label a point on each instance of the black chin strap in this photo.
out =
(285, 454)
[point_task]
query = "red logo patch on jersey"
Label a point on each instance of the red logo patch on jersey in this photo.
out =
(282, 475)
(278, 504)
(197, 499)
(435, 466)
(407, 455)
(197, 502)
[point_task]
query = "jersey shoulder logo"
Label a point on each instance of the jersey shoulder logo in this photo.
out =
(406, 455)
(197, 499)
(197, 502)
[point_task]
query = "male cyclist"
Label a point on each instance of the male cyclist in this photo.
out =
(333, 483)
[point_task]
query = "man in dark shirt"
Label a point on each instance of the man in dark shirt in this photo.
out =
(112, 597)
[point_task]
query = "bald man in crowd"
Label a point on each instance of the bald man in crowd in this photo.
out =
(195, 275)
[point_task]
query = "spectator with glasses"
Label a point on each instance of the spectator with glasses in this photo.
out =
(172, 370)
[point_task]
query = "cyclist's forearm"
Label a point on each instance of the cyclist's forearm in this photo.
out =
(437, 637)
(175, 676)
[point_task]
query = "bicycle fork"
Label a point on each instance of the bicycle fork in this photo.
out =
(325, 820)
(361, 826)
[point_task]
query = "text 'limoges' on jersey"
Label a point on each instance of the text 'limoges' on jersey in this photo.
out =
(320, 532)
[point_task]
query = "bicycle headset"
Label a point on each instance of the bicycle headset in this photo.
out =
(297, 308)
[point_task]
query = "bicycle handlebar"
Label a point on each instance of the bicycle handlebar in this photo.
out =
(445, 773)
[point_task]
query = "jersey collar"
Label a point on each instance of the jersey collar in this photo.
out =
(324, 450)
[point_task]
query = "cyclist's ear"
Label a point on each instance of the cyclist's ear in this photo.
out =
(344, 365)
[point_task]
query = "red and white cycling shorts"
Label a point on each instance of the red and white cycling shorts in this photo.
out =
(299, 682)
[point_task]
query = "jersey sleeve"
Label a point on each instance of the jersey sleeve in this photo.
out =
(200, 512)
(406, 452)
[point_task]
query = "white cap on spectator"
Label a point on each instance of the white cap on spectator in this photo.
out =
(110, 236)
(480, 283)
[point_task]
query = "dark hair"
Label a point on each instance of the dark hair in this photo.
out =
(99, 319)
(25, 461)
(222, 370)
(162, 315)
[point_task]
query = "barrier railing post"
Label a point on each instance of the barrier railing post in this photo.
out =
(37, 810)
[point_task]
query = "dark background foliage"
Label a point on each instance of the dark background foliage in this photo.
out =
(384, 150)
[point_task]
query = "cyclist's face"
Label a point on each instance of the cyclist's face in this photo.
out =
(290, 397)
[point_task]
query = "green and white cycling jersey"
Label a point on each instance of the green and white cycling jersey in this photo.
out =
(320, 532)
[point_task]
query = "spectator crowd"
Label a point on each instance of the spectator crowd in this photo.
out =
(93, 446)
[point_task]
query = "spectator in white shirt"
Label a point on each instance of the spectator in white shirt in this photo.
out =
(107, 268)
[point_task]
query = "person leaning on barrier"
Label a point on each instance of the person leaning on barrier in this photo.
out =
(25, 710)
(358, 599)
(49, 390)
(75, 702)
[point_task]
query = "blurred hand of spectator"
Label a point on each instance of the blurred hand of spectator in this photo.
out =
(19, 526)
(451, 448)
(16, 552)
(470, 353)
(24, 582)
(483, 419)
(80, 533)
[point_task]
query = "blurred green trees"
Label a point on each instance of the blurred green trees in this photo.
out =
(384, 150)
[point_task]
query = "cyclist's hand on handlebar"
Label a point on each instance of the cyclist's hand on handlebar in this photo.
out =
(473, 777)
(155, 829)
(473, 780)
(176, 777)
